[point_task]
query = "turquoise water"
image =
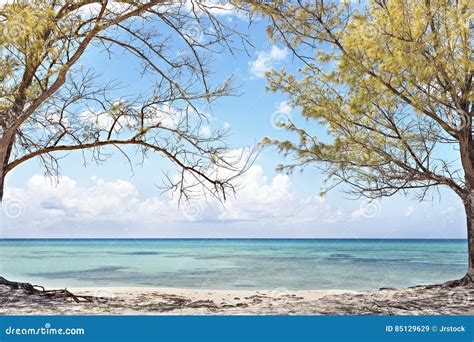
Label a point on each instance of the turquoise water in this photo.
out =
(234, 264)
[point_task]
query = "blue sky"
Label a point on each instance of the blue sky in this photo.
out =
(108, 200)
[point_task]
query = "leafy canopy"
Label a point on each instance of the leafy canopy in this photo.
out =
(390, 80)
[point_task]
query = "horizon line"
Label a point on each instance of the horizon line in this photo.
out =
(229, 238)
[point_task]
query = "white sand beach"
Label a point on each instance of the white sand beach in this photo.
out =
(172, 301)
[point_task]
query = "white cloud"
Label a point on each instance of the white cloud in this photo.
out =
(165, 115)
(265, 207)
(266, 60)
(106, 207)
(368, 209)
(274, 203)
(205, 131)
(284, 107)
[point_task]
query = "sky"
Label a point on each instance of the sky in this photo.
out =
(111, 200)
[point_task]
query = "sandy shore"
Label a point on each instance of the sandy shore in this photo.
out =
(170, 301)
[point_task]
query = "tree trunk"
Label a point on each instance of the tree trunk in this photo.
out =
(466, 147)
(2, 185)
(469, 207)
(6, 145)
(468, 279)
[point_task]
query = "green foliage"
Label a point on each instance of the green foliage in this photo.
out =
(392, 84)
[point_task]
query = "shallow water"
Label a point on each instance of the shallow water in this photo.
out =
(234, 264)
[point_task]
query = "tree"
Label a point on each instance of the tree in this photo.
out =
(52, 100)
(391, 81)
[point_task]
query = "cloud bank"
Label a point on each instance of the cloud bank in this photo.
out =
(111, 207)
(265, 207)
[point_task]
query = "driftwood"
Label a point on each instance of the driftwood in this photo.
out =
(40, 291)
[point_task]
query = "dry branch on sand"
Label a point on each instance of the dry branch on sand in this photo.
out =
(37, 290)
(26, 299)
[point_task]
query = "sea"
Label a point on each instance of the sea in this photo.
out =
(246, 264)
